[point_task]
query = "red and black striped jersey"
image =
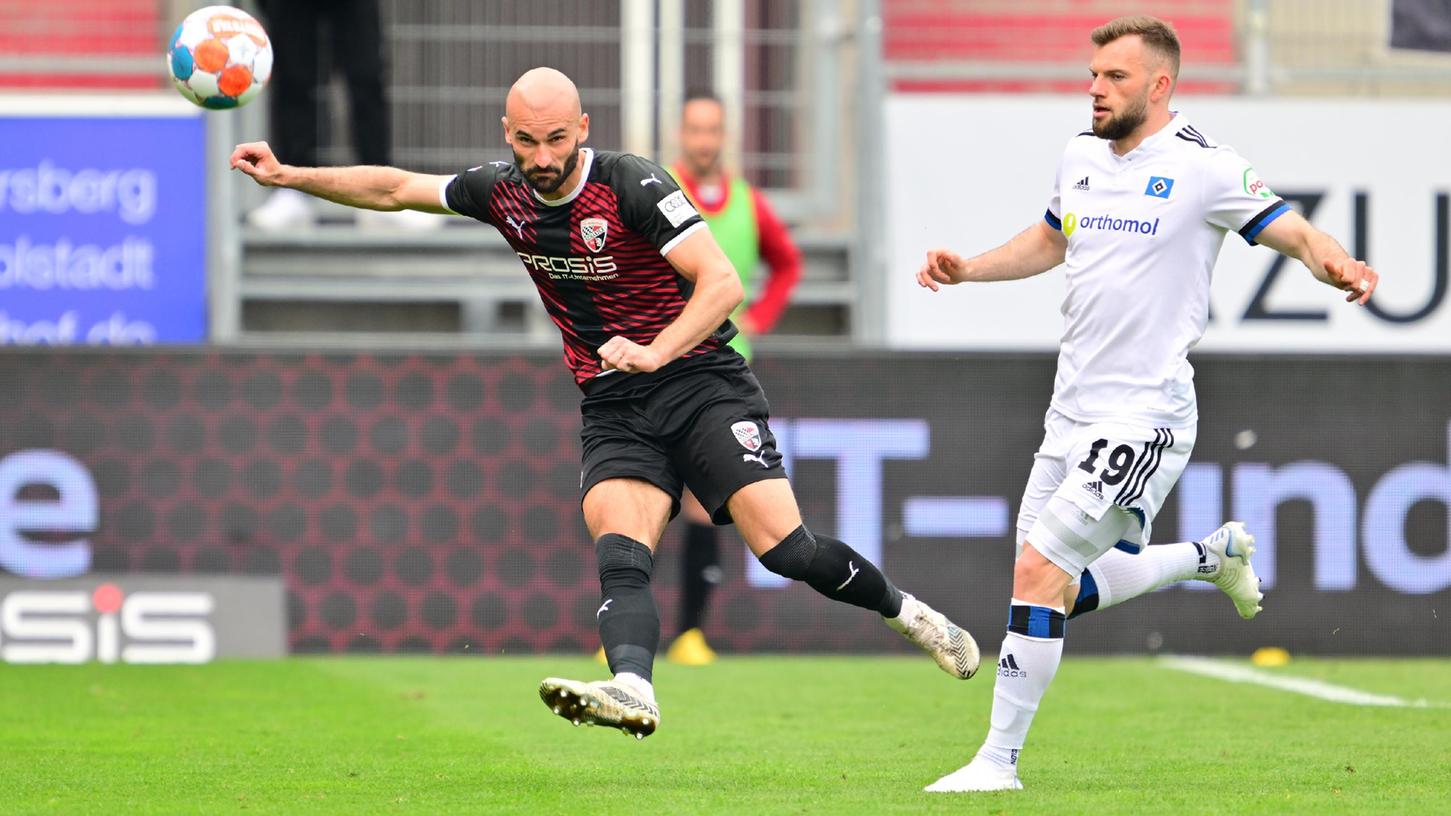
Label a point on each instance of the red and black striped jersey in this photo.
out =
(597, 256)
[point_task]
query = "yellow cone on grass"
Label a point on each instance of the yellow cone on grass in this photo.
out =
(1270, 657)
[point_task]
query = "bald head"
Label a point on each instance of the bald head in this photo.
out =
(544, 126)
(543, 92)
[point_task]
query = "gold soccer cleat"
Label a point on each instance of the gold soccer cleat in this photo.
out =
(609, 703)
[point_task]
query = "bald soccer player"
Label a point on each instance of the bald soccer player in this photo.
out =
(642, 296)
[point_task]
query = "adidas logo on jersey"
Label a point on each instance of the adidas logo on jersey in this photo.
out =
(1094, 489)
(1082, 184)
(1008, 667)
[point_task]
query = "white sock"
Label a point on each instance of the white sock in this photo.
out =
(909, 608)
(1027, 661)
(638, 683)
(1121, 576)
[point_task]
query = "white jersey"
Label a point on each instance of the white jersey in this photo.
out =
(1144, 230)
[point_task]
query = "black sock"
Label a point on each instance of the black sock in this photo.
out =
(835, 570)
(700, 572)
(629, 622)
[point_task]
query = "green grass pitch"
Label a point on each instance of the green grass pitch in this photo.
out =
(849, 735)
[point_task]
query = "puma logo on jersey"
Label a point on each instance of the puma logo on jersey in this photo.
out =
(759, 459)
(651, 180)
(1082, 184)
(518, 227)
(851, 566)
(604, 607)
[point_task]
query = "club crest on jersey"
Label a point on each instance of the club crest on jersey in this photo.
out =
(594, 231)
(748, 435)
(1159, 187)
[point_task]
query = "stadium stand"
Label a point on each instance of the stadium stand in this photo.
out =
(82, 44)
(1004, 45)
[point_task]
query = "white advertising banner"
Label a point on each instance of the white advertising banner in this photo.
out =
(968, 172)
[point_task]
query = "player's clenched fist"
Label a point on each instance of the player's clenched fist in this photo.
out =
(628, 356)
(1353, 276)
(256, 160)
(943, 266)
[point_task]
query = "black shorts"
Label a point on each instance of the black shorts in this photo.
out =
(704, 428)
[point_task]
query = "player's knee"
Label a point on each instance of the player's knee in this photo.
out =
(1037, 577)
(1029, 564)
(622, 558)
(792, 556)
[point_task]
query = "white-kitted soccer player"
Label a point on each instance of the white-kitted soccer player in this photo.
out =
(1140, 207)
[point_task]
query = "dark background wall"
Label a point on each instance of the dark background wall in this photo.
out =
(430, 502)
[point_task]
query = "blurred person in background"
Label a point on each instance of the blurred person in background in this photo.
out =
(349, 33)
(750, 233)
(1140, 208)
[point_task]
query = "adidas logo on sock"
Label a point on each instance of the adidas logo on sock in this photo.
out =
(1008, 667)
(1082, 184)
(1094, 489)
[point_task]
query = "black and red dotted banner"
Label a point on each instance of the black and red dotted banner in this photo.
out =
(429, 502)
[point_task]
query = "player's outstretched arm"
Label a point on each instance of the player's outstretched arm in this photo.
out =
(717, 293)
(1033, 251)
(369, 188)
(1327, 260)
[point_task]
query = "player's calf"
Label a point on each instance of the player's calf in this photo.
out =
(1221, 558)
(833, 569)
(842, 574)
(628, 620)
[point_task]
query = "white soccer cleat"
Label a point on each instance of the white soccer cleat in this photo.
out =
(977, 776)
(610, 703)
(952, 647)
(1236, 576)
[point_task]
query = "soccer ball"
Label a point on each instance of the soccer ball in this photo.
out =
(219, 57)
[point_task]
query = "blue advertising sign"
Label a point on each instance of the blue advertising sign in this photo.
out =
(102, 230)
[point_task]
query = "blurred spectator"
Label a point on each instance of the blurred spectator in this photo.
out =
(1423, 25)
(354, 42)
(749, 232)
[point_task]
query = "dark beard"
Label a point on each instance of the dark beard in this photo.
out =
(1123, 125)
(555, 181)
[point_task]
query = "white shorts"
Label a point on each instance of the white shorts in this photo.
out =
(1098, 485)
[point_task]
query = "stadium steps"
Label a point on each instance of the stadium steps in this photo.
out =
(461, 285)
